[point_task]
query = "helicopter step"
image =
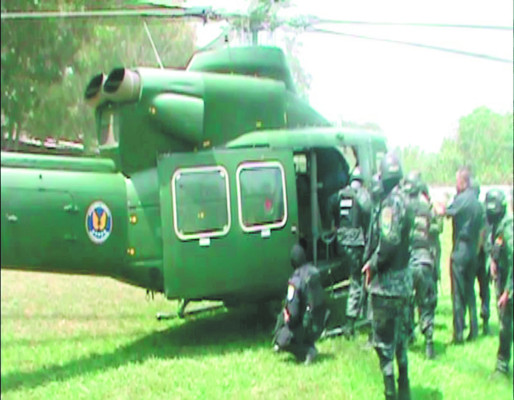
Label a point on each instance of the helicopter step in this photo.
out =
(181, 312)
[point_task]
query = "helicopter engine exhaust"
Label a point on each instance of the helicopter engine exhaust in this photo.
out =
(122, 85)
(94, 91)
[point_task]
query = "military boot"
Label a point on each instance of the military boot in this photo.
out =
(403, 385)
(429, 350)
(349, 328)
(485, 328)
(390, 388)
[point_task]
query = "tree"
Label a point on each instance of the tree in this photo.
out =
(484, 142)
(46, 65)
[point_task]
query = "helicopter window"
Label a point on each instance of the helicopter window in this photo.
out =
(200, 202)
(261, 196)
(108, 129)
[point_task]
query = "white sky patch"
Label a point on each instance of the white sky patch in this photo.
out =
(416, 95)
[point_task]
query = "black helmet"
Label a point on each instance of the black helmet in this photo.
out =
(390, 171)
(412, 183)
(495, 204)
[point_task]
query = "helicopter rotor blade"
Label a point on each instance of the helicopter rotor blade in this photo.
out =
(421, 45)
(312, 20)
(204, 13)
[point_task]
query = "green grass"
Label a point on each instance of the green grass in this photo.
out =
(95, 338)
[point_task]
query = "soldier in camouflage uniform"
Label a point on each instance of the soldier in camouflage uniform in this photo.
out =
(421, 261)
(436, 228)
(352, 210)
(501, 242)
(302, 319)
(390, 282)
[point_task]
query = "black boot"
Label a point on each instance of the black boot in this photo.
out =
(390, 388)
(429, 350)
(403, 385)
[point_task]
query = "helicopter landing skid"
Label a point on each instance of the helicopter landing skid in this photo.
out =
(181, 313)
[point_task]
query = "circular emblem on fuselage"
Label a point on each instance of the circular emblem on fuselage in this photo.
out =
(98, 222)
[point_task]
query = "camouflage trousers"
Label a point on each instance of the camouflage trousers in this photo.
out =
(504, 349)
(424, 299)
(389, 325)
(353, 256)
(483, 286)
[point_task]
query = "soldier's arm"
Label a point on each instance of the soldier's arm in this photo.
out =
(455, 207)
(508, 237)
(293, 303)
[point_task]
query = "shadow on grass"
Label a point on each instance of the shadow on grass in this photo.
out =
(224, 332)
(320, 358)
(419, 347)
(424, 393)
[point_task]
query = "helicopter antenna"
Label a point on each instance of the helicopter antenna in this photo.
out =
(159, 61)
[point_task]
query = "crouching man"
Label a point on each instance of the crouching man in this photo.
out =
(303, 316)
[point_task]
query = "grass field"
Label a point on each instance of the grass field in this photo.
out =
(74, 337)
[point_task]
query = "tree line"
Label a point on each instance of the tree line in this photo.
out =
(484, 142)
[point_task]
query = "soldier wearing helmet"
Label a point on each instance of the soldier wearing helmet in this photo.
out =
(501, 259)
(390, 283)
(351, 208)
(303, 316)
(421, 261)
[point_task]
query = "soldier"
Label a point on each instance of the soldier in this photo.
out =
(482, 270)
(421, 261)
(352, 216)
(436, 228)
(501, 260)
(302, 319)
(465, 211)
(390, 282)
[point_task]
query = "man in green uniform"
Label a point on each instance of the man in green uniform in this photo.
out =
(390, 283)
(501, 270)
(436, 228)
(421, 261)
(352, 212)
(302, 319)
(465, 211)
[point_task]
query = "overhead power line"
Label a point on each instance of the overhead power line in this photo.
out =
(420, 45)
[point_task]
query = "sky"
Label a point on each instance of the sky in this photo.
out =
(416, 95)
